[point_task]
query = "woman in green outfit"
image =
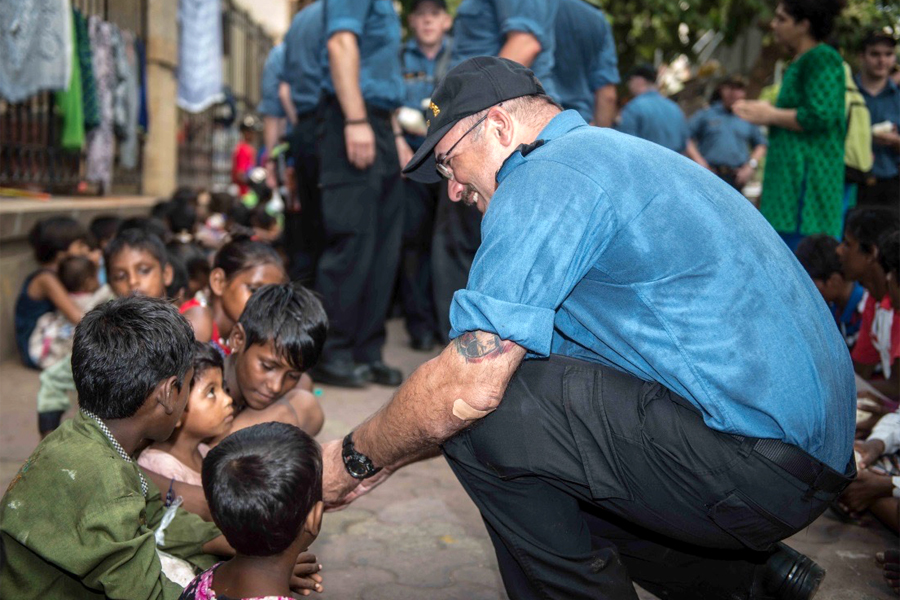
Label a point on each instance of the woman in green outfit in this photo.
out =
(804, 178)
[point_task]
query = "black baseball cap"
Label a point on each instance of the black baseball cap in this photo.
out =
(469, 88)
(416, 3)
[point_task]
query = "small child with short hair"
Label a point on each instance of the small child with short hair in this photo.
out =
(136, 264)
(52, 241)
(818, 255)
(264, 489)
(208, 414)
(78, 519)
(51, 340)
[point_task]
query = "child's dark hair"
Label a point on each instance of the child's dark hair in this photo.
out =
(123, 349)
(104, 228)
(261, 483)
(148, 224)
(818, 255)
(139, 239)
(821, 14)
(193, 257)
(75, 271)
(49, 237)
(292, 318)
(889, 253)
(182, 216)
(243, 253)
(180, 279)
(867, 225)
(206, 357)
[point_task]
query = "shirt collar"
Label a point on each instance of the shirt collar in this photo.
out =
(890, 87)
(413, 46)
(558, 126)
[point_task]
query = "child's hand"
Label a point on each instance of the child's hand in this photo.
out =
(868, 452)
(306, 578)
(872, 404)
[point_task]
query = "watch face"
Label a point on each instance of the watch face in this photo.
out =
(356, 467)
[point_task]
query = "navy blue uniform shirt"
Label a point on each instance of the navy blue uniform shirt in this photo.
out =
(481, 26)
(304, 43)
(652, 117)
(377, 28)
(269, 103)
(585, 59)
(604, 247)
(884, 107)
(723, 138)
(418, 80)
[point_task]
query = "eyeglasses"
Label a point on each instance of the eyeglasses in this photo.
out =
(440, 163)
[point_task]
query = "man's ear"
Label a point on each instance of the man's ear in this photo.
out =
(167, 394)
(168, 275)
(237, 339)
(503, 125)
(217, 281)
(314, 519)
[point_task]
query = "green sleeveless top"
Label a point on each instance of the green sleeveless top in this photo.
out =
(804, 178)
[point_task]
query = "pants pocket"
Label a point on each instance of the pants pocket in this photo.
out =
(749, 523)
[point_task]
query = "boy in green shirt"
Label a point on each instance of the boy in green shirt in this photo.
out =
(78, 519)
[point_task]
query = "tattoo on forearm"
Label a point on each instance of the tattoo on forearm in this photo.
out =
(476, 349)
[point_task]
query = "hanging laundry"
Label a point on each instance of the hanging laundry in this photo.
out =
(90, 107)
(69, 104)
(127, 100)
(101, 141)
(35, 46)
(199, 54)
(143, 117)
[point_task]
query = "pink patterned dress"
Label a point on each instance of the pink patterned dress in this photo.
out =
(201, 589)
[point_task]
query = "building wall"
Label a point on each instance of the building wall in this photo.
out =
(273, 15)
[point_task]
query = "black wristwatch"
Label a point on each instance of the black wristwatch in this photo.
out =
(358, 465)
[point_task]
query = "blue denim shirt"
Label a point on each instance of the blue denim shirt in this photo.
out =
(377, 28)
(654, 118)
(418, 80)
(304, 43)
(723, 138)
(481, 27)
(585, 59)
(603, 247)
(269, 104)
(884, 107)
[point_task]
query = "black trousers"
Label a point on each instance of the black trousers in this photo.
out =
(881, 192)
(588, 479)
(363, 221)
(415, 282)
(457, 236)
(303, 229)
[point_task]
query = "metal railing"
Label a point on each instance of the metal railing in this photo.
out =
(205, 139)
(30, 153)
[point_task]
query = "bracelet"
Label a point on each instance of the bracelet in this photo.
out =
(356, 121)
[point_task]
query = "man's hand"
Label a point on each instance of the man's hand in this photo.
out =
(306, 578)
(757, 112)
(868, 452)
(339, 489)
(743, 175)
(360, 141)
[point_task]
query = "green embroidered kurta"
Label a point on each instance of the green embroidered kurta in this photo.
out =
(74, 524)
(804, 179)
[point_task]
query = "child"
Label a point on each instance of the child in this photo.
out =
(859, 254)
(244, 156)
(208, 414)
(264, 488)
(278, 337)
(818, 255)
(78, 519)
(196, 263)
(52, 240)
(136, 264)
(240, 267)
(103, 229)
(52, 337)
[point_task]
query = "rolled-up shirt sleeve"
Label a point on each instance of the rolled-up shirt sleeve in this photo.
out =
(346, 15)
(546, 227)
(527, 16)
(606, 65)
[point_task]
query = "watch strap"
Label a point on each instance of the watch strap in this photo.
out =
(358, 465)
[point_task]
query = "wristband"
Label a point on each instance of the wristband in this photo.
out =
(356, 121)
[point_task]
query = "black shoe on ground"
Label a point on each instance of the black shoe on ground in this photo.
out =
(347, 375)
(790, 575)
(423, 343)
(380, 373)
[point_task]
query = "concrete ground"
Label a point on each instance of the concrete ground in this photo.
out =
(419, 535)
